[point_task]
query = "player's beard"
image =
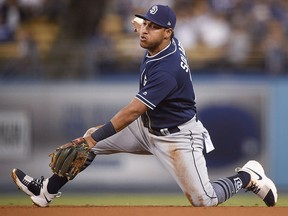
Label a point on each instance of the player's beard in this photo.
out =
(152, 47)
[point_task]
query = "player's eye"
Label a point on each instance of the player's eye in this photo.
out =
(155, 26)
(151, 25)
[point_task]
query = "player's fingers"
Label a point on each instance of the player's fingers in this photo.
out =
(90, 131)
(137, 22)
(90, 141)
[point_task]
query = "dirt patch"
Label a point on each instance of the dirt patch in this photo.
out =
(140, 211)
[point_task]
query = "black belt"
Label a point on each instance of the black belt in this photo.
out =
(164, 131)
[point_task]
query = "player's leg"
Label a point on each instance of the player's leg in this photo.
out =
(250, 177)
(184, 159)
(182, 154)
(186, 163)
(43, 191)
(128, 140)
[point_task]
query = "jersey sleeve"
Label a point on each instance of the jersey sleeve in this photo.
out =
(158, 87)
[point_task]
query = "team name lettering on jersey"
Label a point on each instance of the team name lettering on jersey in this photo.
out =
(184, 62)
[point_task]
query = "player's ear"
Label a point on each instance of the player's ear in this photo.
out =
(168, 33)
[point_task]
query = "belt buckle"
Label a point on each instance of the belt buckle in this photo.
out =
(164, 131)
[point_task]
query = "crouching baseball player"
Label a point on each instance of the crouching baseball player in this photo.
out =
(160, 120)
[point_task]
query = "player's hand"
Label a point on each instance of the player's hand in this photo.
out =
(137, 22)
(91, 130)
(87, 136)
(90, 141)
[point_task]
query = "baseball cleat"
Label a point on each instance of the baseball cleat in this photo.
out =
(35, 188)
(260, 184)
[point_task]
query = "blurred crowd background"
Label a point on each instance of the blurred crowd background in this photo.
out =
(88, 39)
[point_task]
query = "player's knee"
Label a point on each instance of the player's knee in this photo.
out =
(202, 204)
(202, 201)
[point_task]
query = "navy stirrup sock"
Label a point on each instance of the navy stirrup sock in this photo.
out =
(55, 183)
(245, 177)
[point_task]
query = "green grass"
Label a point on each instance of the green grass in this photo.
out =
(135, 200)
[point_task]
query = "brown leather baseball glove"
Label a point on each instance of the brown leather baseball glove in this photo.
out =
(68, 159)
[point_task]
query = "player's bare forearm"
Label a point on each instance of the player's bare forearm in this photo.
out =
(128, 114)
(122, 119)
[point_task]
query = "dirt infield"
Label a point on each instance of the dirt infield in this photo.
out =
(140, 211)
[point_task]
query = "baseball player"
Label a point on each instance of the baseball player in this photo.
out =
(161, 120)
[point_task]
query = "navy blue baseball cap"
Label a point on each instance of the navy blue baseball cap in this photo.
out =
(161, 15)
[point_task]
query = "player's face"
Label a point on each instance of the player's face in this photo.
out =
(153, 37)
